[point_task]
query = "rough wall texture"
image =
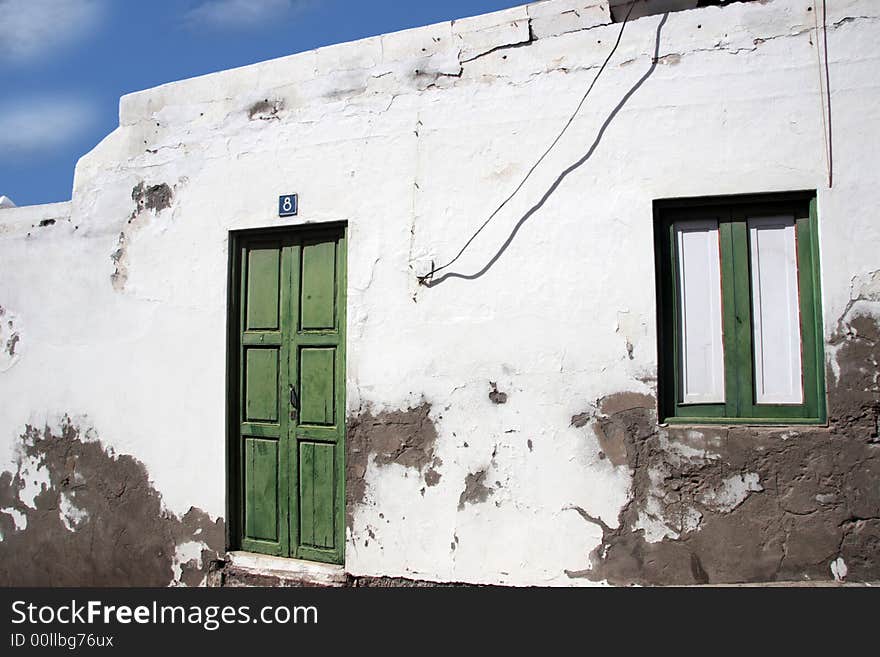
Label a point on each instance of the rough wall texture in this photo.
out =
(76, 514)
(403, 437)
(746, 504)
(501, 423)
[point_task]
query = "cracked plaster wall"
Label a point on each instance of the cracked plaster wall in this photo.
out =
(414, 138)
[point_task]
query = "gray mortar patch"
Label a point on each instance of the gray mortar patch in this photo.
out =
(817, 499)
(265, 110)
(432, 477)
(403, 582)
(495, 396)
(153, 198)
(580, 420)
(475, 490)
(406, 437)
(672, 59)
(123, 536)
(11, 342)
(120, 261)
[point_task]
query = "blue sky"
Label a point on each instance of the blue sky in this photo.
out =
(65, 63)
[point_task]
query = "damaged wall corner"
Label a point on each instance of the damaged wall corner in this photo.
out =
(94, 519)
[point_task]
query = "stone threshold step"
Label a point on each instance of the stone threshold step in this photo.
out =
(252, 569)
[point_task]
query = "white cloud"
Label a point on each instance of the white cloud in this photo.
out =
(236, 14)
(35, 126)
(32, 29)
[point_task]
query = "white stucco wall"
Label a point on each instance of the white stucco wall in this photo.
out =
(415, 163)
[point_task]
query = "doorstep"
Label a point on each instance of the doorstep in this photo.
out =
(252, 569)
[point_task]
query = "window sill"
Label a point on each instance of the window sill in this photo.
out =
(743, 421)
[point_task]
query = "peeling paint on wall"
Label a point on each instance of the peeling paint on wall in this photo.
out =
(94, 519)
(265, 110)
(750, 504)
(475, 490)
(495, 395)
(154, 198)
(10, 338)
(435, 126)
(405, 437)
(150, 199)
(633, 329)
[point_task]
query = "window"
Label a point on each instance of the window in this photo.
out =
(739, 313)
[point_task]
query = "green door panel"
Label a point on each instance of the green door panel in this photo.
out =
(289, 399)
(261, 384)
(263, 272)
(317, 483)
(317, 385)
(261, 421)
(261, 486)
(318, 286)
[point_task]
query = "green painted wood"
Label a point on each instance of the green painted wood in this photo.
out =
(319, 358)
(286, 419)
(763, 421)
(325, 491)
(289, 331)
(236, 398)
(316, 338)
(316, 434)
(306, 493)
(260, 430)
(808, 314)
(261, 483)
(261, 425)
(317, 389)
(261, 384)
(317, 507)
(318, 281)
(341, 315)
(741, 309)
(728, 319)
(740, 407)
(818, 385)
(261, 339)
(263, 271)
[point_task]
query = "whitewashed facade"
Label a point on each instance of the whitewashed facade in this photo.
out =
(120, 309)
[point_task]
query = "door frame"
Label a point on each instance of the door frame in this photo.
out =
(234, 496)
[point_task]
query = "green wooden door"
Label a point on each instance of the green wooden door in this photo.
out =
(289, 423)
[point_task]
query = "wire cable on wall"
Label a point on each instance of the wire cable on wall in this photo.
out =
(824, 87)
(821, 87)
(426, 278)
(828, 92)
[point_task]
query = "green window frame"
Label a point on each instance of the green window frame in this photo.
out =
(732, 214)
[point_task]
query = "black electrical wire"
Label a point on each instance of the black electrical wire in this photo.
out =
(828, 92)
(426, 278)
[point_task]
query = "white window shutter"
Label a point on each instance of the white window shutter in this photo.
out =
(775, 310)
(699, 292)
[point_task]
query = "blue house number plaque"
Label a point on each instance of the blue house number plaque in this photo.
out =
(287, 205)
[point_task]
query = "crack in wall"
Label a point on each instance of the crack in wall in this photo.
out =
(147, 200)
(10, 338)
